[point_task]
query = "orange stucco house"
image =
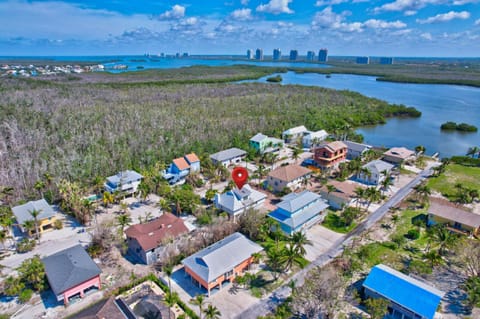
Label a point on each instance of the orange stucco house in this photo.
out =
(328, 156)
(221, 261)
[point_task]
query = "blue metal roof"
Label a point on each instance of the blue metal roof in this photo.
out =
(404, 290)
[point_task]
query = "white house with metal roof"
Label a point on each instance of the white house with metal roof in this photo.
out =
(293, 134)
(126, 181)
(374, 172)
(221, 262)
(299, 211)
(237, 201)
(356, 150)
(45, 219)
(228, 157)
(311, 138)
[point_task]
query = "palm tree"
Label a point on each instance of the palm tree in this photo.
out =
(289, 256)
(212, 312)
(330, 189)
(472, 151)
(296, 153)
(3, 238)
(359, 194)
(171, 298)
(108, 199)
(123, 220)
(373, 196)
(434, 258)
(144, 190)
(168, 271)
(387, 181)
(39, 186)
(441, 236)
(29, 225)
(35, 213)
(423, 192)
(199, 301)
(298, 240)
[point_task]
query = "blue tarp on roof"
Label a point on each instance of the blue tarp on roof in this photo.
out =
(404, 290)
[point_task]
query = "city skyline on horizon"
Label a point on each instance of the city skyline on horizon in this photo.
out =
(396, 28)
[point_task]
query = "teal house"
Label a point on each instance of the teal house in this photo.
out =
(265, 144)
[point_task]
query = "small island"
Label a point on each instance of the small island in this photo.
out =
(462, 127)
(275, 79)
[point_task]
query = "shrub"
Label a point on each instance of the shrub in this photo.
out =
(25, 295)
(419, 267)
(25, 245)
(413, 234)
(58, 224)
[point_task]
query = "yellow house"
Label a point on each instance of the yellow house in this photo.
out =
(46, 215)
(456, 219)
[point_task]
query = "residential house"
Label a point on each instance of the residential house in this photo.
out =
(312, 138)
(221, 262)
(328, 156)
(294, 134)
(45, 219)
(181, 167)
(408, 297)
(356, 150)
(264, 144)
(456, 219)
(71, 273)
(126, 182)
(228, 157)
(145, 241)
(237, 201)
(110, 308)
(288, 176)
(398, 155)
(299, 211)
(342, 195)
(374, 172)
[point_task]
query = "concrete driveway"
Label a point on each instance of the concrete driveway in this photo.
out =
(322, 239)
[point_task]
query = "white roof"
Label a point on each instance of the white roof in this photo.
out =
(318, 134)
(236, 200)
(221, 257)
(378, 166)
(295, 130)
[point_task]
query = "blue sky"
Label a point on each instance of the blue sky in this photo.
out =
(346, 27)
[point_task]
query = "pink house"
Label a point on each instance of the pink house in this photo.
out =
(71, 273)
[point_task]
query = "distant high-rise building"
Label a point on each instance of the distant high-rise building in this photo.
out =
(293, 55)
(323, 55)
(277, 54)
(386, 60)
(310, 55)
(249, 54)
(259, 54)
(363, 60)
(185, 54)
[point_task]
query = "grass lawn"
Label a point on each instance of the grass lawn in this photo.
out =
(454, 173)
(333, 222)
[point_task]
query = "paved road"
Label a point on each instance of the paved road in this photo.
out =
(269, 303)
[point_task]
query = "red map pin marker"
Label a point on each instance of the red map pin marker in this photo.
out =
(239, 176)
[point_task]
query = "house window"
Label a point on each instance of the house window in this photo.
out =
(228, 273)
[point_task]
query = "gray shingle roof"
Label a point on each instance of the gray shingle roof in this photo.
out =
(258, 138)
(221, 257)
(378, 166)
(22, 212)
(68, 268)
(357, 147)
(227, 154)
(294, 201)
(125, 177)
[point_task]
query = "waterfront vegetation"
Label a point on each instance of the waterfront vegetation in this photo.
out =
(455, 181)
(462, 127)
(86, 128)
(276, 78)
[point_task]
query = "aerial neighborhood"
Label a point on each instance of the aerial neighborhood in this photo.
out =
(366, 230)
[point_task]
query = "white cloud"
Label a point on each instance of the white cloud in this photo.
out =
(275, 7)
(477, 22)
(244, 2)
(381, 24)
(321, 3)
(409, 7)
(462, 2)
(426, 36)
(177, 12)
(445, 17)
(242, 14)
